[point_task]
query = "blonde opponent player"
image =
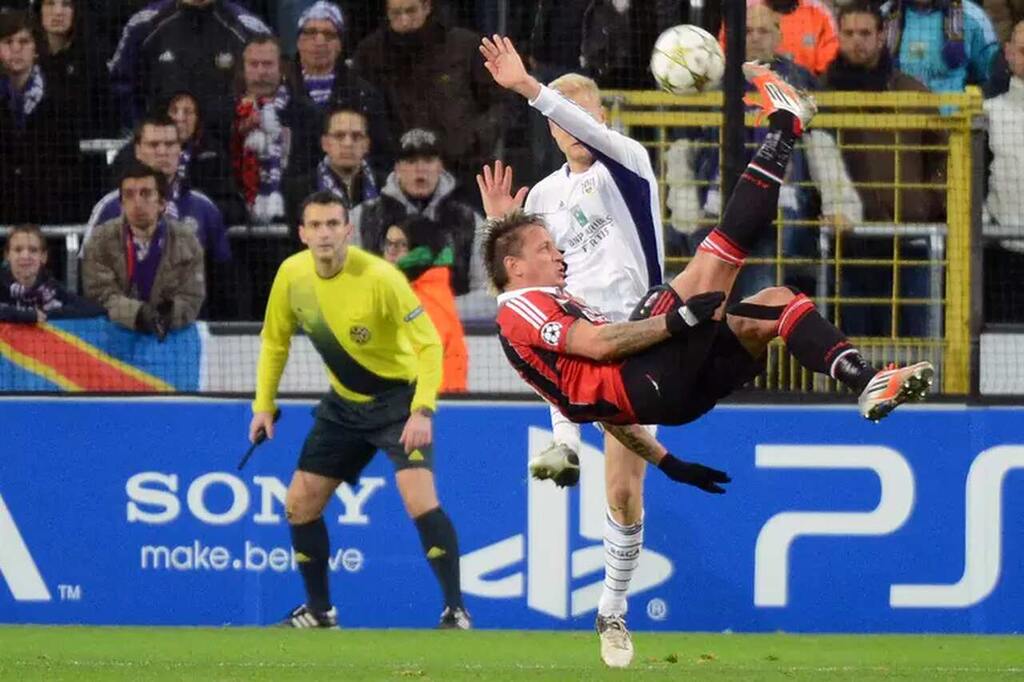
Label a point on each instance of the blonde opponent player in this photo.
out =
(383, 359)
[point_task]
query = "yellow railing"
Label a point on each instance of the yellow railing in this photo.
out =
(656, 118)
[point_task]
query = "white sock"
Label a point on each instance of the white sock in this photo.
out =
(622, 545)
(565, 432)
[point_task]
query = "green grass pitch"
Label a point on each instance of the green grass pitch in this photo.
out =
(84, 653)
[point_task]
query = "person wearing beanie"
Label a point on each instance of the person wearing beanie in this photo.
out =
(420, 185)
(320, 73)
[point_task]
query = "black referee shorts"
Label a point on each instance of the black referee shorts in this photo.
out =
(681, 379)
(346, 435)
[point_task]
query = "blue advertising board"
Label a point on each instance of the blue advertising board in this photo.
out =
(132, 512)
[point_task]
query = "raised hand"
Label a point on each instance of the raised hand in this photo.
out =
(505, 65)
(496, 191)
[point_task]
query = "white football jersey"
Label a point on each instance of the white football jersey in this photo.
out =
(606, 220)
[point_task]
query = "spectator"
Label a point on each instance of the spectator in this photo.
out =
(556, 38)
(592, 36)
(180, 44)
(1004, 15)
(156, 145)
(864, 64)
(144, 268)
(28, 293)
(273, 135)
(418, 248)
(111, 17)
(945, 44)
(38, 134)
(343, 170)
(808, 32)
(204, 165)
(1004, 260)
(554, 50)
(432, 77)
(73, 64)
(817, 161)
(420, 185)
(327, 80)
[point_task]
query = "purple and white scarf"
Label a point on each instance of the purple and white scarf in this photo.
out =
(24, 102)
(40, 295)
(267, 142)
(143, 259)
(183, 162)
(319, 87)
(328, 181)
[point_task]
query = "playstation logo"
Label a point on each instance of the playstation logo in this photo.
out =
(17, 567)
(558, 580)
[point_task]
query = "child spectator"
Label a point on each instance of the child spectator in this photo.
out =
(28, 294)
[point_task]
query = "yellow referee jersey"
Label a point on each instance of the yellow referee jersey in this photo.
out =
(365, 322)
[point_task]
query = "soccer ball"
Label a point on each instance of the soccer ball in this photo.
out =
(687, 59)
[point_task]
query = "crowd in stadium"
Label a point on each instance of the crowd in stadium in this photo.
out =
(234, 111)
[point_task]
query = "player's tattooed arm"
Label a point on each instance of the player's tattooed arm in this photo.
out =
(613, 341)
(638, 441)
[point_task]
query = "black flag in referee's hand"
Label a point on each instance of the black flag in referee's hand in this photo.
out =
(261, 436)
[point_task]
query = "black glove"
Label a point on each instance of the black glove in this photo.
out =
(696, 310)
(165, 309)
(149, 321)
(691, 473)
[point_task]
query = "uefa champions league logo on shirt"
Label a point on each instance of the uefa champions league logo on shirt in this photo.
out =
(552, 566)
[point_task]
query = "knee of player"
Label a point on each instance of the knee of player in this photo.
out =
(298, 511)
(622, 494)
(773, 296)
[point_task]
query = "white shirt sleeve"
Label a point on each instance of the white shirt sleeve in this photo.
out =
(581, 125)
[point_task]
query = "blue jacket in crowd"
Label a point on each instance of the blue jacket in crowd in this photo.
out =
(922, 43)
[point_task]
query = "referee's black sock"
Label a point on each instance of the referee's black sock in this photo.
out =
(820, 347)
(311, 549)
(442, 549)
(754, 201)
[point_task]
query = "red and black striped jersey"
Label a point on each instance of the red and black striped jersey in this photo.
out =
(534, 324)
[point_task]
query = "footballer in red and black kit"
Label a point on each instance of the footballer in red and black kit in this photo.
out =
(672, 382)
(683, 348)
(534, 325)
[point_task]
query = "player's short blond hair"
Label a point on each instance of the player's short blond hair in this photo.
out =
(572, 85)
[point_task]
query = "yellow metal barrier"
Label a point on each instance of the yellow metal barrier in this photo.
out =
(658, 118)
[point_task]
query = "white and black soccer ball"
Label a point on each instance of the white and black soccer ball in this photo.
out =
(687, 59)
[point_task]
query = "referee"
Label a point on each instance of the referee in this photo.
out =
(383, 359)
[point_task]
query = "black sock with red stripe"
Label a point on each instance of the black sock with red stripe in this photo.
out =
(820, 347)
(755, 200)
